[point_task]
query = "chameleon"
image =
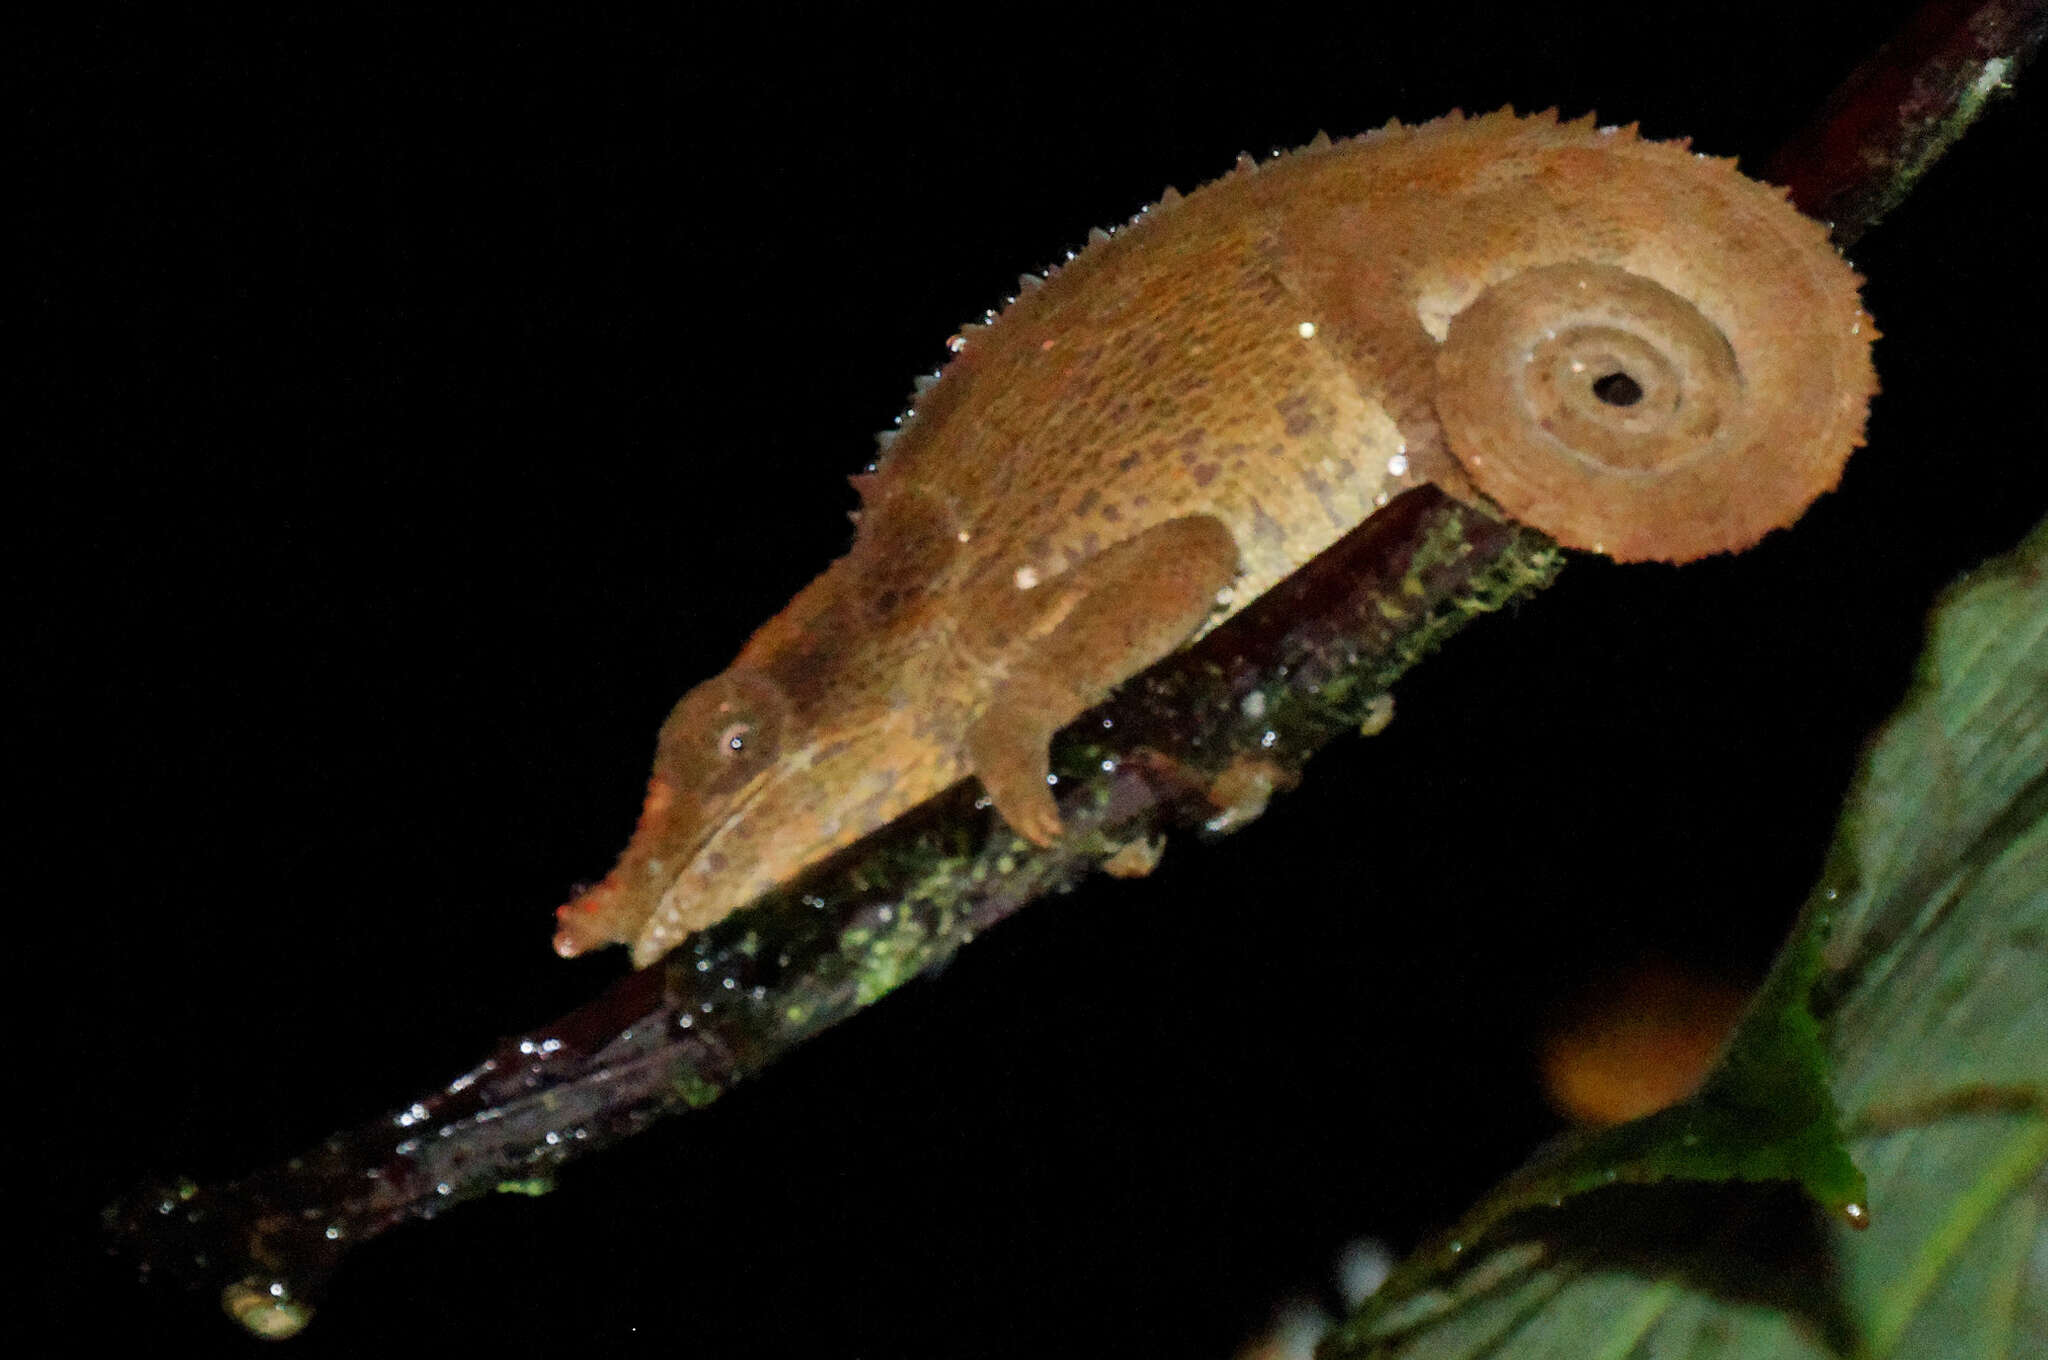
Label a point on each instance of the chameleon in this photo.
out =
(1624, 344)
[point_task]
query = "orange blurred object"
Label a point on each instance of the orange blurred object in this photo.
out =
(1637, 1041)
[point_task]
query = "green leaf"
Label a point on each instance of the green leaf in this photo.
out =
(1913, 998)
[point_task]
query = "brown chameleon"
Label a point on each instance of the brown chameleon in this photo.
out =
(1619, 342)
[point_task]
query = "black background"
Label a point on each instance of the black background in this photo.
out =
(430, 401)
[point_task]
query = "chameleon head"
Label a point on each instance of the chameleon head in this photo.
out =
(756, 777)
(717, 750)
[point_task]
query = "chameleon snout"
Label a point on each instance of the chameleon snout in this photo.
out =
(612, 910)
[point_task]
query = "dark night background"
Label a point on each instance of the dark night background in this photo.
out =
(431, 401)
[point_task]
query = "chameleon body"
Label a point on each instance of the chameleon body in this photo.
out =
(1626, 345)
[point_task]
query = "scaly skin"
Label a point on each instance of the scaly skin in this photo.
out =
(1190, 410)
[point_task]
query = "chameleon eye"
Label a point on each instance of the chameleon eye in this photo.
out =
(721, 732)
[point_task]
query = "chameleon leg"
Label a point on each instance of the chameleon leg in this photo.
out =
(1096, 626)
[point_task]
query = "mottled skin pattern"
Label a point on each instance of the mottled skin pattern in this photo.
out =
(1191, 409)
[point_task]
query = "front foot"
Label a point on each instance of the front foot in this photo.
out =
(1007, 746)
(1089, 631)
